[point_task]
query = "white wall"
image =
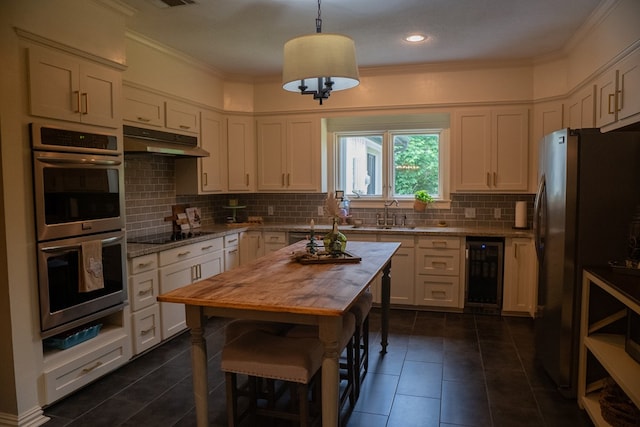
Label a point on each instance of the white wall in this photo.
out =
(85, 25)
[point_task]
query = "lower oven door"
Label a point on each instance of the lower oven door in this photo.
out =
(63, 303)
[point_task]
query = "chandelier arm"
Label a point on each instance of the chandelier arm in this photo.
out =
(319, 20)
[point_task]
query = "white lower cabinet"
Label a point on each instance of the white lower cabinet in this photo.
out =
(143, 291)
(439, 274)
(274, 240)
(145, 324)
(231, 251)
(251, 246)
(182, 266)
(402, 269)
(377, 282)
(65, 371)
(520, 283)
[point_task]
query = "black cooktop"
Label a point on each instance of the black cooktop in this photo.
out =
(164, 238)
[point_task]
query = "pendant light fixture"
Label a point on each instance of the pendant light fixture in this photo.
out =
(319, 63)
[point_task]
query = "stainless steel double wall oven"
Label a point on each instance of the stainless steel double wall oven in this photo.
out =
(78, 198)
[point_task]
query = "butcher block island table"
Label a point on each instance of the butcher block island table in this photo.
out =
(276, 288)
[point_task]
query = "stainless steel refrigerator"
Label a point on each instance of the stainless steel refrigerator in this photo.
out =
(589, 187)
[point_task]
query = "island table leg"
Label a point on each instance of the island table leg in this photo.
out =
(196, 322)
(386, 302)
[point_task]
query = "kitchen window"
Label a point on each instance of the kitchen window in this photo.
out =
(392, 164)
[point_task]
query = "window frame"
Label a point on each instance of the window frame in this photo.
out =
(388, 166)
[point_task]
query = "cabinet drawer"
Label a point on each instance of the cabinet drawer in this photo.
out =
(437, 291)
(275, 237)
(143, 263)
(231, 240)
(143, 289)
(438, 261)
(189, 251)
(64, 378)
(439, 242)
(405, 241)
(146, 328)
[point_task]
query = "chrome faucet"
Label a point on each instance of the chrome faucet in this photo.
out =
(386, 212)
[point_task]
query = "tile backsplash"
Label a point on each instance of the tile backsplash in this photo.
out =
(150, 192)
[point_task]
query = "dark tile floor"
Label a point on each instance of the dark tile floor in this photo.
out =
(441, 370)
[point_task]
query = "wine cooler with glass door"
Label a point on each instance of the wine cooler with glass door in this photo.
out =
(484, 265)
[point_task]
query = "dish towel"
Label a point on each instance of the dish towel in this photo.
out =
(91, 276)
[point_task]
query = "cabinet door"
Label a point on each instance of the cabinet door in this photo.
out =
(605, 104)
(68, 88)
(173, 277)
(210, 265)
(142, 107)
(376, 284)
(629, 88)
(472, 150)
(580, 110)
(510, 150)
(303, 155)
(182, 117)
(271, 155)
(54, 83)
(101, 91)
(520, 276)
(251, 246)
(241, 154)
(213, 169)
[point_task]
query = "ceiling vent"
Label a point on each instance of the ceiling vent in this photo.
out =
(171, 3)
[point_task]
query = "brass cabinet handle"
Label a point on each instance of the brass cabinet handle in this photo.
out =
(247, 180)
(77, 92)
(488, 179)
(495, 179)
(85, 95)
(204, 178)
(146, 331)
(143, 119)
(185, 127)
(91, 368)
(611, 95)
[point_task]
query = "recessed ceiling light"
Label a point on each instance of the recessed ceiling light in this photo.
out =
(414, 38)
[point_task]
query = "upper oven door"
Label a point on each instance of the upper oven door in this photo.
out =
(77, 194)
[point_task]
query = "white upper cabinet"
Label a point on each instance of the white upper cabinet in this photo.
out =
(213, 169)
(142, 107)
(69, 88)
(618, 94)
(579, 111)
(181, 116)
(288, 152)
(205, 175)
(241, 153)
(491, 150)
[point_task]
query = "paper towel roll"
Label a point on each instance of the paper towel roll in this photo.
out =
(521, 215)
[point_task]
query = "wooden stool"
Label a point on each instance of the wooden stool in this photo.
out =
(238, 327)
(259, 354)
(361, 310)
(347, 343)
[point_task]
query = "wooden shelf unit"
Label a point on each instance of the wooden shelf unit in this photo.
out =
(604, 343)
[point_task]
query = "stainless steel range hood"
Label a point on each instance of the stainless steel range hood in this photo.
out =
(140, 140)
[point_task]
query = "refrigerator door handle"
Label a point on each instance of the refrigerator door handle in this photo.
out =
(538, 211)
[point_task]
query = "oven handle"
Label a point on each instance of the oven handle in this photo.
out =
(67, 247)
(83, 161)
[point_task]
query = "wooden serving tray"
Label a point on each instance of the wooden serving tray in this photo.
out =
(325, 258)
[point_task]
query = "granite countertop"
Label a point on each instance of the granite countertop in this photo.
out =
(221, 230)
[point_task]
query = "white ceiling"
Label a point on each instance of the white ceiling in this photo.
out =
(246, 37)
